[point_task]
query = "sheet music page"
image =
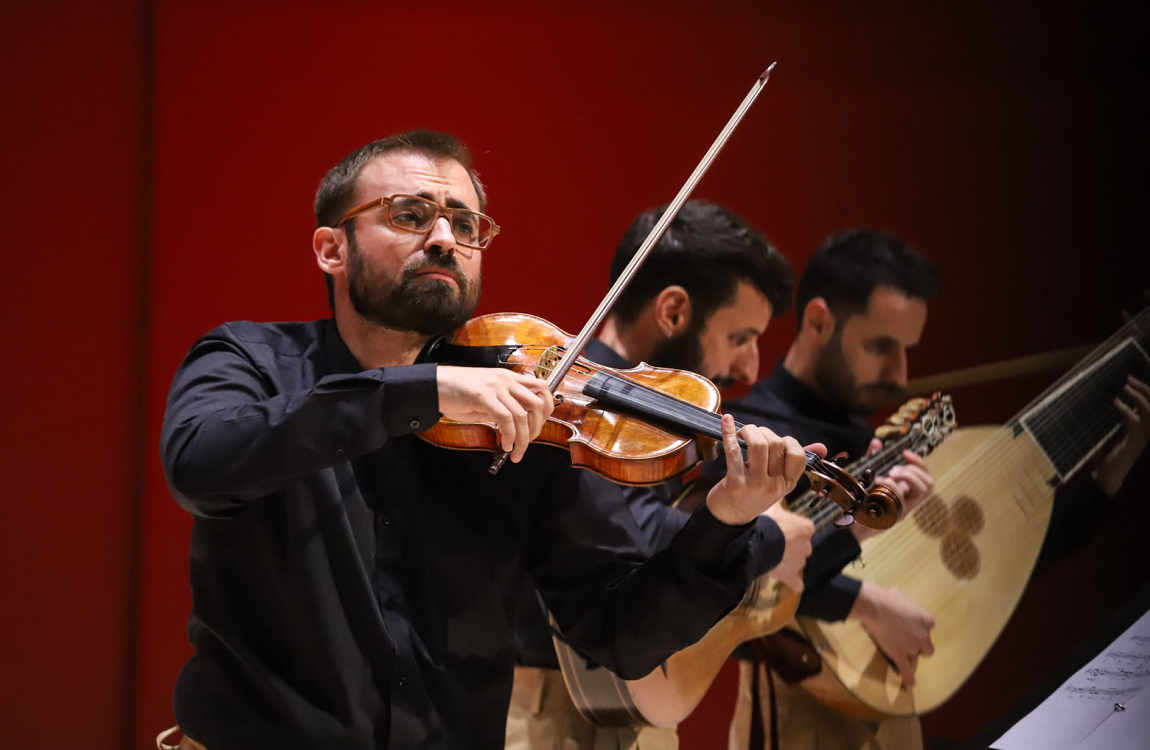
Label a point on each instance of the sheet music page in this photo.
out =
(1104, 705)
(1123, 730)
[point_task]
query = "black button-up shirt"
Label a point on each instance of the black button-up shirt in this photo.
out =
(354, 586)
(658, 523)
(783, 403)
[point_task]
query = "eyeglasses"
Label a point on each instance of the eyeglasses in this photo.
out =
(411, 213)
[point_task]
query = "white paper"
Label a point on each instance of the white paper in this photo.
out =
(1123, 730)
(1102, 706)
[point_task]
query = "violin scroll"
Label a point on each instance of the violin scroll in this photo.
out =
(877, 507)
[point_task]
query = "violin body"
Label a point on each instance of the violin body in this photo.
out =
(623, 448)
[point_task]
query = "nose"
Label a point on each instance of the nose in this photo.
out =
(745, 367)
(440, 237)
(895, 367)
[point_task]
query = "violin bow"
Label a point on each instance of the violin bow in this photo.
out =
(580, 342)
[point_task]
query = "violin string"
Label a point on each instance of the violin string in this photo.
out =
(703, 421)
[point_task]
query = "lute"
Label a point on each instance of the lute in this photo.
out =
(966, 553)
(668, 694)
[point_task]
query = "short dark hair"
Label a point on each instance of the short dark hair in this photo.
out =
(707, 250)
(849, 265)
(334, 196)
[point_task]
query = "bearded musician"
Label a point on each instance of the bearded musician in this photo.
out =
(705, 294)
(862, 305)
(354, 586)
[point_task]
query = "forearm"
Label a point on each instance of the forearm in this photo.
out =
(832, 549)
(630, 616)
(660, 523)
(831, 601)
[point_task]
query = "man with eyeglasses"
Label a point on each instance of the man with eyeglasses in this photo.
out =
(353, 585)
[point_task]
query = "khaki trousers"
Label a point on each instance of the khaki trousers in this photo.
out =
(542, 717)
(803, 723)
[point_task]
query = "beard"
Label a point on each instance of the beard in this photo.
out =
(414, 303)
(684, 351)
(837, 383)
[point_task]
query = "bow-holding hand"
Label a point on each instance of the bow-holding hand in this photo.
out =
(516, 404)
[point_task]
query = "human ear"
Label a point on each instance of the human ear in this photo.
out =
(818, 319)
(330, 250)
(672, 310)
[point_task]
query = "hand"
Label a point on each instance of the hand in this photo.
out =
(874, 447)
(797, 533)
(896, 624)
(1133, 403)
(517, 404)
(912, 481)
(772, 467)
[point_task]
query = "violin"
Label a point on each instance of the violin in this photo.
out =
(639, 426)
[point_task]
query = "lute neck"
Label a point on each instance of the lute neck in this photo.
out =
(1073, 419)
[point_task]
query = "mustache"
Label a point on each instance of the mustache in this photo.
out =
(444, 263)
(888, 391)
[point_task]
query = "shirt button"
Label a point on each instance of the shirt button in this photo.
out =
(402, 680)
(414, 424)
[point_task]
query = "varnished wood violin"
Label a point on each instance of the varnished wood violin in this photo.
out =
(639, 426)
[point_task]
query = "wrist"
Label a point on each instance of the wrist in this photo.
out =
(725, 513)
(866, 605)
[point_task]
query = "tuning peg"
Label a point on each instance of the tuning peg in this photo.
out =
(845, 520)
(867, 477)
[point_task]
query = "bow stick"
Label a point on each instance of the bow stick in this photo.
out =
(579, 342)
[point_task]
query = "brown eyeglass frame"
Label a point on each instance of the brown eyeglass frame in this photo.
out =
(444, 211)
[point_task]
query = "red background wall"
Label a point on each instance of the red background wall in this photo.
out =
(161, 162)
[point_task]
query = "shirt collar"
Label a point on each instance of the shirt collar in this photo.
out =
(335, 356)
(601, 354)
(805, 399)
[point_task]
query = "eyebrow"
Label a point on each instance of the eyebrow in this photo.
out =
(889, 341)
(748, 331)
(451, 202)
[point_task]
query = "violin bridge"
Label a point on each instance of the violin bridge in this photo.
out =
(550, 357)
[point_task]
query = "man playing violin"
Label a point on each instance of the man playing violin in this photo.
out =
(353, 585)
(700, 302)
